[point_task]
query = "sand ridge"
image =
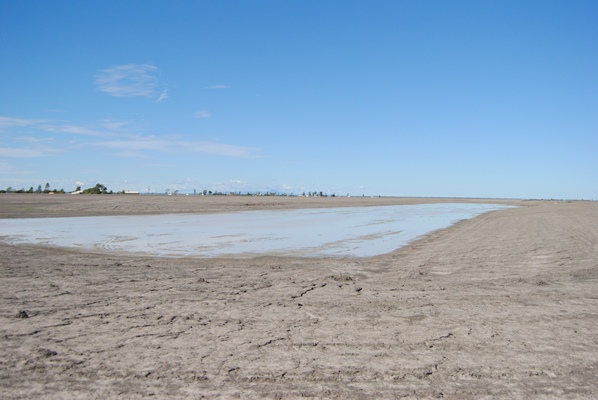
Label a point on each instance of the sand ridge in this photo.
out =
(503, 306)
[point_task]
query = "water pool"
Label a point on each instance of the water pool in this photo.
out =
(319, 232)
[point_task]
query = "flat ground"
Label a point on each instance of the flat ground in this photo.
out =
(504, 305)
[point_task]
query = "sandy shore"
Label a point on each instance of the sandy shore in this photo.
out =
(501, 306)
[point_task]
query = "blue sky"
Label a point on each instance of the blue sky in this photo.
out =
(400, 98)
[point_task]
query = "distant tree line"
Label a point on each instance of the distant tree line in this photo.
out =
(38, 190)
(102, 189)
(97, 189)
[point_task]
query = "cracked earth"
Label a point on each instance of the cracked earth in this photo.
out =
(504, 305)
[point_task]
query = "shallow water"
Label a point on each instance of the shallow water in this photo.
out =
(328, 232)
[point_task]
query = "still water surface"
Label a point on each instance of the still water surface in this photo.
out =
(323, 232)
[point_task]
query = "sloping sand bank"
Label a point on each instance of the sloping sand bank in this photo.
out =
(504, 305)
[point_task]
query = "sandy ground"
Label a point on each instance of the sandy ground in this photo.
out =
(501, 306)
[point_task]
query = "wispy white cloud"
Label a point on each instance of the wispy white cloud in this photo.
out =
(6, 167)
(131, 80)
(177, 146)
(217, 87)
(202, 114)
(136, 144)
(51, 127)
(114, 125)
(31, 138)
(32, 147)
(219, 149)
(27, 152)
(130, 154)
(163, 96)
(13, 121)
(58, 138)
(34, 140)
(73, 129)
(160, 165)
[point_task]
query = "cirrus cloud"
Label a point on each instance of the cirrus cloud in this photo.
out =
(28, 152)
(139, 145)
(163, 96)
(130, 80)
(15, 126)
(202, 114)
(15, 121)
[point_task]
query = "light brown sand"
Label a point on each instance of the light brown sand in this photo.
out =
(501, 306)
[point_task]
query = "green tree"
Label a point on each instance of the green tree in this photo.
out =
(97, 189)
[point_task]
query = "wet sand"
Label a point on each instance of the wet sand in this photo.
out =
(504, 305)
